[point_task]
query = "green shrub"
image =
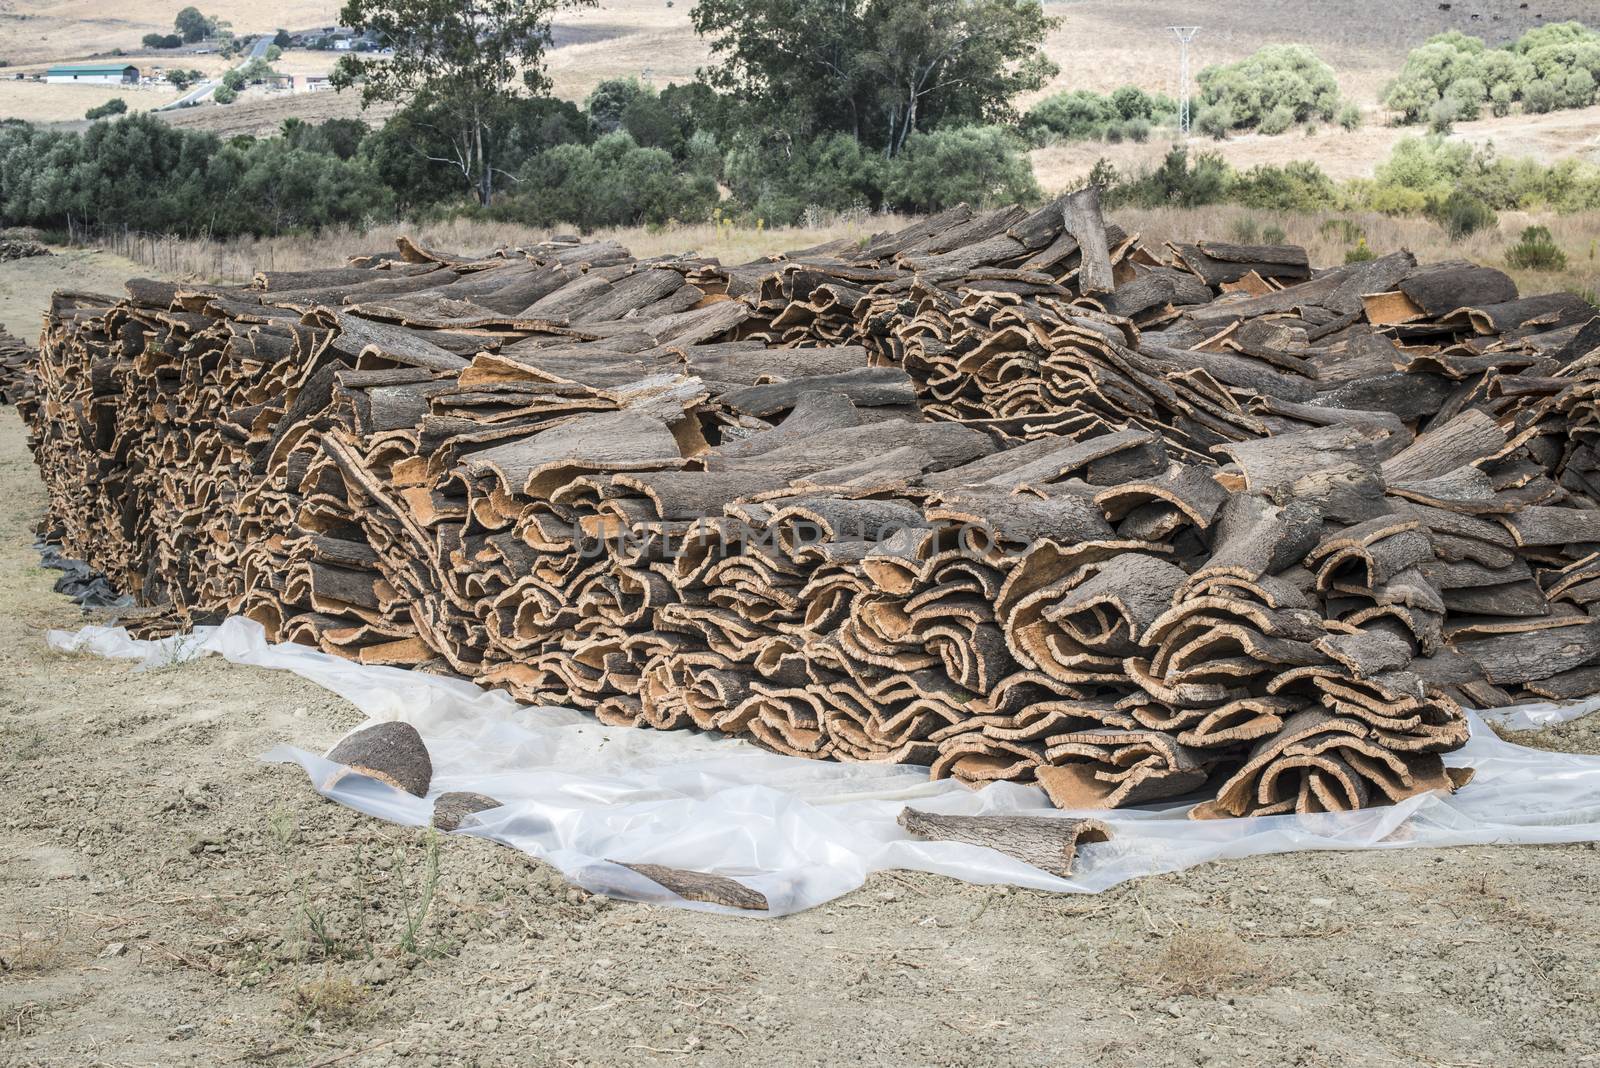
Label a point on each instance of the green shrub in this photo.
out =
(1287, 76)
(225, 94)
(833, 173)
(162, 40)
(1462, 214)
(1178, 182)
(1537, 251)
(1297, 186)
(1578, 90)
(1276, 121)
(613, 182)
(233, 79)
(1361, 253)
(1082, 115)
(609, 100)
(976, 165)
(1215, 121)
(1274, 235)
(1137, 130)
(115, 106)
(1550, 67)
(1442, 116)
(1540, 97)
(1350, 117)
(1501, 97)
(1245, 231)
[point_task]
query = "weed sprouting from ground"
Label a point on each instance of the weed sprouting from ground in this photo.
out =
(175, 652)
(418, 900)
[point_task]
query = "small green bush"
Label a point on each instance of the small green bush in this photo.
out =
(1276, 121)
(1462, 214)
(1274, 235)
(115, 106)
(1215, 121)
(1540, 97)
(964, 164)
(1501, 97)
(1537, 251)
(1081, 115)
(1245, 231)
(1277, 76)
(233, 80)
(1442, 116)
(1361, 253)
(1350, 117)
(832, 173)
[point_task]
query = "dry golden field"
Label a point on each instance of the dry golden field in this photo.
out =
(1100, 44)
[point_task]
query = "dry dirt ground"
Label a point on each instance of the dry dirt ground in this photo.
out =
(166, 899)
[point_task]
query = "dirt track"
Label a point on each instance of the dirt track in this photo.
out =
(165, 898)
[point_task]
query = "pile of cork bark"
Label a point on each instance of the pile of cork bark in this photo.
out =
(16, 379)
(1009, 494)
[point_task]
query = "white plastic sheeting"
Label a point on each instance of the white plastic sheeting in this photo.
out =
(581, 795)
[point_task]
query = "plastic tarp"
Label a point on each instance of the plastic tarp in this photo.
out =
(582, 796)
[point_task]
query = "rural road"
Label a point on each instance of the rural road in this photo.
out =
(206, 88)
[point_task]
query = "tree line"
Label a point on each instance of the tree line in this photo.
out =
(808, 106)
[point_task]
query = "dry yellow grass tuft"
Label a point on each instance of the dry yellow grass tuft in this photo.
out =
(25, 952)
(1204, 964)
(331, 1001)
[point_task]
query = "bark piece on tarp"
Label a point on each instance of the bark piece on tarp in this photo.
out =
(391, 752)
(449, 809)
(701, 886)
(1046, 842)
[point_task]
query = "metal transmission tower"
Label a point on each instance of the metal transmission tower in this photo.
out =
(1185, 35)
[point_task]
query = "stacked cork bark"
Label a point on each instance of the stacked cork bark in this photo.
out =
(16, 379)
(1009, 494)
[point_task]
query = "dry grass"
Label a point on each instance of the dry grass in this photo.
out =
(24, 952)
(1204, 964)
(1576, 234)
(1102, 44)
(237, 260)
(331, 1001)
(39, 102)
(34, 32)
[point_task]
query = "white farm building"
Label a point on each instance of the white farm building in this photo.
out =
(93, 74)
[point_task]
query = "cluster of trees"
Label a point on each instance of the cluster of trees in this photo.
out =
(897, 104)
(1278, 87)
(234, 81)
(901, 105)
(634, 156)
(191, 27)
(1126, 114)
(142, 173)
(1456, 77)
